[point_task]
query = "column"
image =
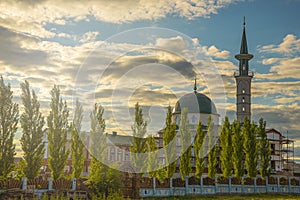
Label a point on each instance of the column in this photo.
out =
(186, 185)
(74, 183)
(24, 183)
(50, 184)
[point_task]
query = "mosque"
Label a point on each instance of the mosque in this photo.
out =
(200, 107)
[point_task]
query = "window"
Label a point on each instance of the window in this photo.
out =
(112, 153)
(194, 119)
(243, 91)
(273, 148)
(120, 155)
(243, 109)
(126, 155)
(243, 100)
(273, 164)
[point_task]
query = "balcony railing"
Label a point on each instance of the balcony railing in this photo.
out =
(237, 73)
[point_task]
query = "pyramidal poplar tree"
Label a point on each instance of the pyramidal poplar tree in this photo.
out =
(77, 145)
(226, 148)
(139, 143)
(32, 123)
(9, 112)
(97, 147)
(152, 157)
(199, 150)
(186, 146)
(57, 134)
(169, 136)
(264, 149)
(250, 147)
(212, 155)
(237, 149)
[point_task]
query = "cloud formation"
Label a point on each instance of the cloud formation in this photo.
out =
(14, 14)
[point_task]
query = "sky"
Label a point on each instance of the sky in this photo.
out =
(120, 52)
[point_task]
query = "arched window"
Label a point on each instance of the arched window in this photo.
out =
(243, 100)
(243, 91)
(243, 109)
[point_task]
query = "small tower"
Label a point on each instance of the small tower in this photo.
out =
(243, 79)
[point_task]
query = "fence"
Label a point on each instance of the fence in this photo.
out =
(11, 188)
(207, 186)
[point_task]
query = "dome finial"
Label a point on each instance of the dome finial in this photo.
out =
(195, 86)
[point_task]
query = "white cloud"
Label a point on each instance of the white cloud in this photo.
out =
(89, 36)
(215, 52)
(289, 46)
(15, 14)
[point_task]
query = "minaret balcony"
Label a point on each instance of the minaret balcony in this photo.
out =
(237, 74)
(244, 56)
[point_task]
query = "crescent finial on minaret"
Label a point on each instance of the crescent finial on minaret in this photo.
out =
(195, 85)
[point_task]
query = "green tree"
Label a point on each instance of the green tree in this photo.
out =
(102, 179)
(139, 145)
(169, 137)
(152, 157)
(250, 147)
(8, 126)
(32, 123)
(265, 150)
(98, 146)
(226, 148)
(77, 145)
(186, 147)
(57, 134)
(199, 150)
(212, 155)
(238, 149)
(98, 142)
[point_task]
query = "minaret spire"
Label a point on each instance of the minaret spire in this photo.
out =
(195, 85)
(244, 56)
(243, 79)
(244, 48)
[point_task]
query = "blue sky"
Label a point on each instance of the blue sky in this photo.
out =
(71, 44)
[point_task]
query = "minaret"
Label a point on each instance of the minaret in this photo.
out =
(243, 79)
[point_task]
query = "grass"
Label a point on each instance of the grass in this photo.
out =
(234, 197)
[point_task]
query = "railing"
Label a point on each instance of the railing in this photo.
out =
(237, 73)
(250, 186)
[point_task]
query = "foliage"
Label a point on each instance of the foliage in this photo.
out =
(77, 145)
(104, 179)
(264, 149)
(100, 175)
(199, 150)
(226, 148)
(8, 126)
(32, 123)
(169, 136)
(139, 145)
(250, 147)
(152, 157)
(212, 155)
(57, 134)
(186, 147)
(19, 170)
(238, 149)
(98, 146)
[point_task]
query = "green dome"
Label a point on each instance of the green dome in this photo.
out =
(195, 103)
